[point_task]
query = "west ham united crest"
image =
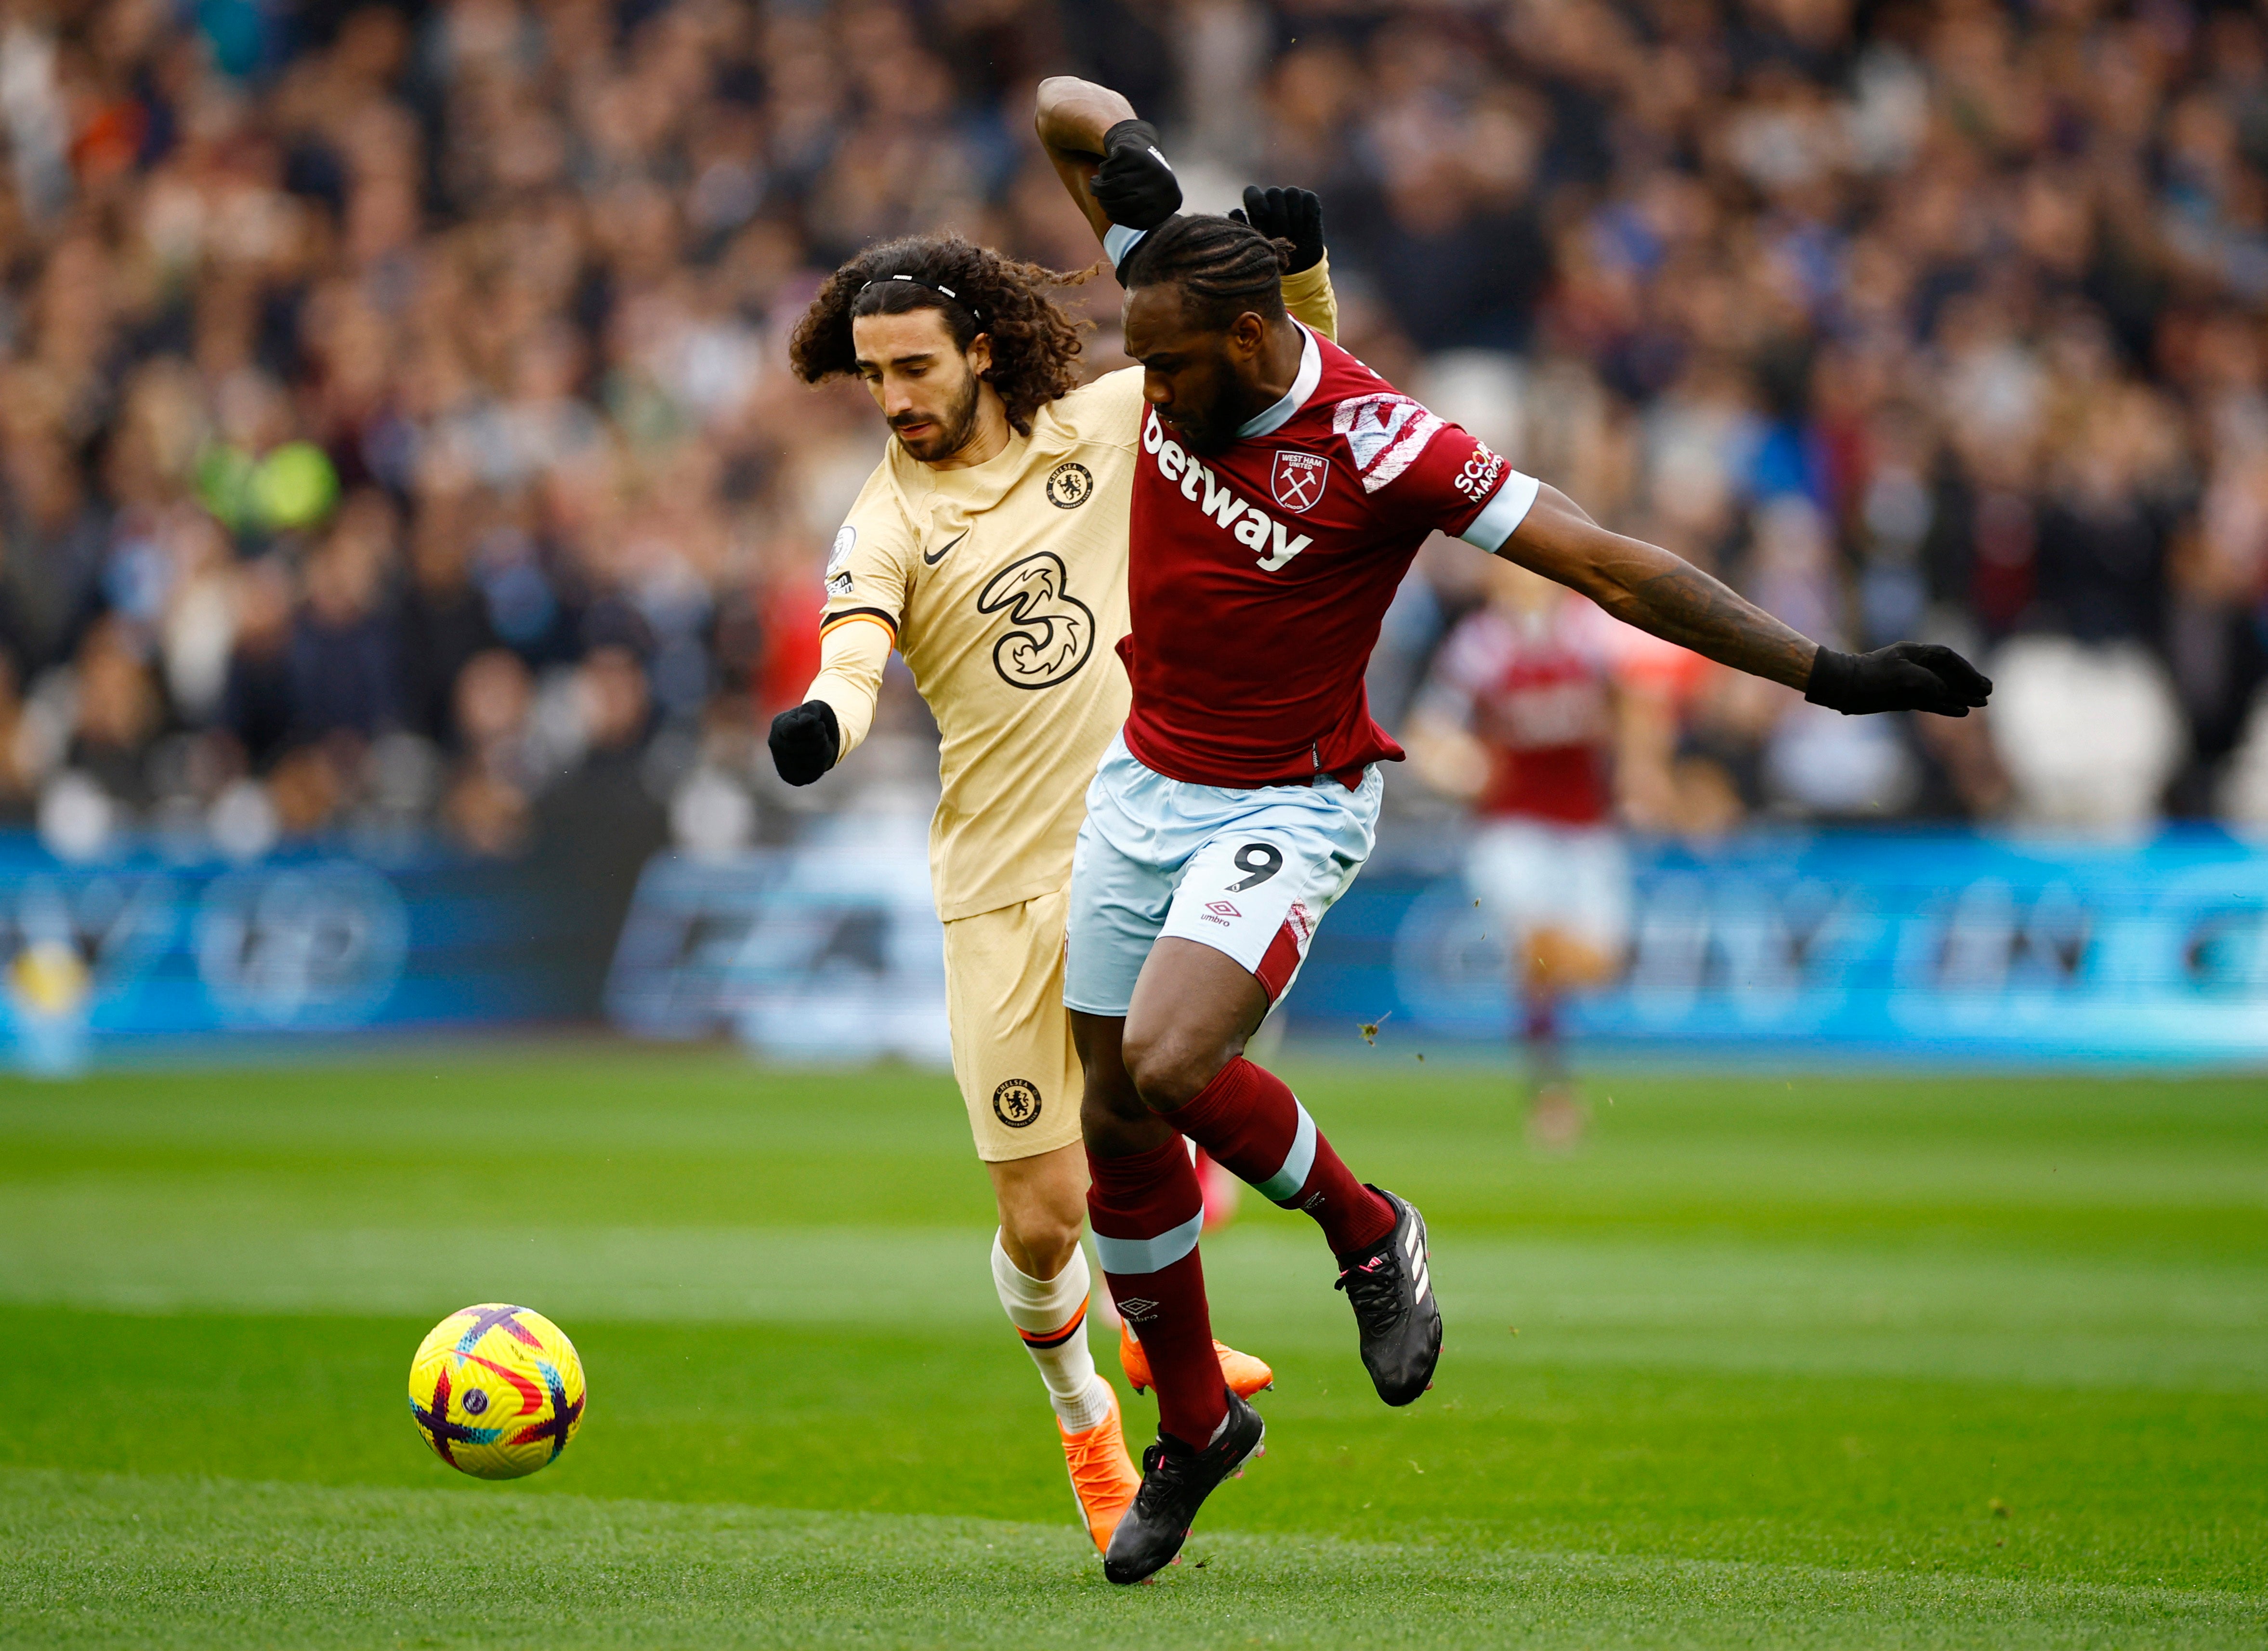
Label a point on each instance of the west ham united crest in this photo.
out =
(1297, 479)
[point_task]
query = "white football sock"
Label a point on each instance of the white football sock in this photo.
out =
(1051, 1314)
(1104, 1310)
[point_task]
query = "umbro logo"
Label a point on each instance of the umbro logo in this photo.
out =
(1222, 908)
(1138, 1309)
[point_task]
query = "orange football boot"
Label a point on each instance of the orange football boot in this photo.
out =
(1245, 1375)
(1102, 1478)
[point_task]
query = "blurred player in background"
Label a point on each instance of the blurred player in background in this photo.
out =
(1555, 722)
(1280, 491)
(988, 548)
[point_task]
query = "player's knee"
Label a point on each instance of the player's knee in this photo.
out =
(1556, 959)
(1109, 1101)
(1113, 1126)
(1168, 1066)
(1108, 1090)
(1046, 1239)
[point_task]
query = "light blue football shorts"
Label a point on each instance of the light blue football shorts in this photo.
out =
(1248, 872)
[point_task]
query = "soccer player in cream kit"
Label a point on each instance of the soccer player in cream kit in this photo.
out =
(1282, 491)
(988, 548)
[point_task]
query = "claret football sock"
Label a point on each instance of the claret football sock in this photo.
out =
(1146, 1211)
(1250, 1120)
(1051, 1314)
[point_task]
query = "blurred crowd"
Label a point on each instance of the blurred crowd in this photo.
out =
(395, 428)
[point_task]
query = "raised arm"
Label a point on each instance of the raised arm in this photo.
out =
(1297, 216)
(1110, 162)
(1073, 120)
(1658, 591)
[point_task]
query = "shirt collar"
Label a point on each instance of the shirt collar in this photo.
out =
(1311, 374)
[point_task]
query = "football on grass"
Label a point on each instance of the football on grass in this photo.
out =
(497, 1390)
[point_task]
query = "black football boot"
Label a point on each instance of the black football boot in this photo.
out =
(1176, 1481)
(1391, 1291)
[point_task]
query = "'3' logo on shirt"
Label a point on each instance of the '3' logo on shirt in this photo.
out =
(1050, 632)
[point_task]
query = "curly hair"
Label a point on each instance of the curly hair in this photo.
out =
(1034, 342)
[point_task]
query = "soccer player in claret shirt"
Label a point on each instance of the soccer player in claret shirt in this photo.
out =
(1281, 489)
(1548, 718)
(988, 546)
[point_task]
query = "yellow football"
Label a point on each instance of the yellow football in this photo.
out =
(497, 1390)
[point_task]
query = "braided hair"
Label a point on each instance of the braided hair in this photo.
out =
(1223, 268)
(1036, 344)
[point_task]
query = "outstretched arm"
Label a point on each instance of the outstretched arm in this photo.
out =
(1658, 591)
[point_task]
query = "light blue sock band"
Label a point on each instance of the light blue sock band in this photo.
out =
(1284, 1185)
(1127, 1256)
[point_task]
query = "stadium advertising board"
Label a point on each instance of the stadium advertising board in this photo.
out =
(141, 946)
(1939, 944)
(827, 952)
(1942, 944)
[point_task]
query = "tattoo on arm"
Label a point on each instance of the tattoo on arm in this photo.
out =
(1658, 591)
(1685, 606)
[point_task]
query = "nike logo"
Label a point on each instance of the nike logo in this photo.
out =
(932, 561)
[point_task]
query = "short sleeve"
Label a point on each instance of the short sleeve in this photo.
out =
(869, 567)
(1422, 470)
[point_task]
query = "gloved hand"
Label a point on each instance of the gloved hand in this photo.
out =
(1904, 676)
(805, 741)
(1134, 184)
(1293, 215)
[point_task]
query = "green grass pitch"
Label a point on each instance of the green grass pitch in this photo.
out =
(1893, 1361)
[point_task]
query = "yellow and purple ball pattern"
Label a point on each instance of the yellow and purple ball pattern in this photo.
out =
(497, 1390)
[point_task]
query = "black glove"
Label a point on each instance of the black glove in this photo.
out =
(1134, 184)
(1904, 676)
(1293, 215)
(805, 741)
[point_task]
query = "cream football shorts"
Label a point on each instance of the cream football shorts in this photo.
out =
(1012, 1048)
(1249, 873)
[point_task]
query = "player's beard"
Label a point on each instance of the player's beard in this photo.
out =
(954, 427)
(1210, 427)
(1205, 433)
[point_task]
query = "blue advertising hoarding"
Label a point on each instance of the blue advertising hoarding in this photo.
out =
(826, 952)
(1944, 944)
(141, 946)
(1865, 944)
